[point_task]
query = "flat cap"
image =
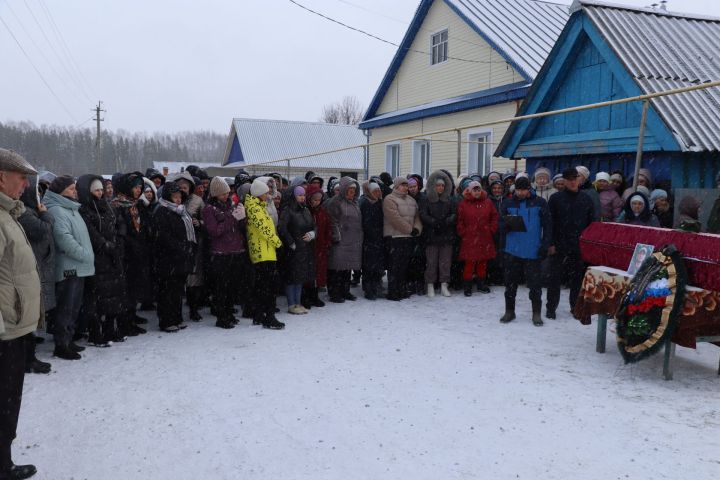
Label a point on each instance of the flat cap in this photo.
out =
(10, 161)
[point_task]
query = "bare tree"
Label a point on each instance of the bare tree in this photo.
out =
(348, 111)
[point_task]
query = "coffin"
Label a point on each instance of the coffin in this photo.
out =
(613, 244)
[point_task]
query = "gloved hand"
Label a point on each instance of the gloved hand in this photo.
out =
(239, 212)
(415, 232)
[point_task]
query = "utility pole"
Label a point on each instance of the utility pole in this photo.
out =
(97, 119)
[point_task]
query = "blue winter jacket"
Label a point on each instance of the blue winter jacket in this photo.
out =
(74, 255)
(533, 243)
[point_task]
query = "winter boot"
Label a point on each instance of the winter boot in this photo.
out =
(36, 366)
(536, 317)
(444, 290)
(305, 298)
(509, 310)
(467, 288)
(21, 472)
(66, 353)
(226, 323)
(482, 286)
(315, 298)
(193, 295)
(430, 290)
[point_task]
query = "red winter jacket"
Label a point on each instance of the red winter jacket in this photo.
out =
(477, 221)
(323, 237)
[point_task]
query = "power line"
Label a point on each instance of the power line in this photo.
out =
(384, 40)
(73, 78)
(37, 71)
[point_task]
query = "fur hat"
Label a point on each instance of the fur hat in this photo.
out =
(218, 186)
(61, 183)
(399, 181)
(258, 188)
(11, 161)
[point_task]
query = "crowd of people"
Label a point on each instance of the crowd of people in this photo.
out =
(102, 250)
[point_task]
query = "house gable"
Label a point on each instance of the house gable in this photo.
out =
(583, 69)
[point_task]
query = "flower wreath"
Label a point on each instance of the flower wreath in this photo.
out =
(648, 312)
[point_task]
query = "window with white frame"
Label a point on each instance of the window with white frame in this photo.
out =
(421, 158)
(439, 42)
(392, 159)
(479, 156)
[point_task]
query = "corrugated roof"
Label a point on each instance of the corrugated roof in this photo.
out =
(525, 30)
(265, 141)
(665, 50)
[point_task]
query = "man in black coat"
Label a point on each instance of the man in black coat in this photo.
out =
(571, 211)
(373, 253)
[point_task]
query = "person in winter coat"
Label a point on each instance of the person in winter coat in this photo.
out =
(689, 215)
(74, 262)
(587, 187)
(524, 250)
(104, 294)
(416, 266)
(323, 241)
(617, 180)
(645, 179)
(157, 178)
(543, 185)
(637, 211)
(495, 270)
(225, 225)
(610, 202)
(21, 307)
(136, 233)
(477, 222)
(571, 212)
(297, 231)
(262, 245)
(558, 183)
(713, 225)
(438, 215)
(38, 225)
(175, 245)
(373, 250)
(401, 225)
(347, 236)
(661, 207)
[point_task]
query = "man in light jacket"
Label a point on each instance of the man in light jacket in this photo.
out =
(21, 306)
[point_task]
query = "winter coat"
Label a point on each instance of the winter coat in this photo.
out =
(535, 241)
(571, 213)
(108, 285)
(547, 190)
(438, 213)
(477, 222)
(688, 214)
(323, 236)
(21, 307)
(373, 252)
(39, 231)
(73, 250)
(665, 218)
(347, 233)
(224, 232)
(610, 205)
(137, 230)
(262, 239)
(174, 253)
(295, 221)
(644, 172)
(589, 190)
(714, 220)
(400, 215)
(646, 217)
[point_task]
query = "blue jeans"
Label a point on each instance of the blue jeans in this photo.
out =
(293, 293)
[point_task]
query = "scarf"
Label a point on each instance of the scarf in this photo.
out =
(187, 220)
(123, 201)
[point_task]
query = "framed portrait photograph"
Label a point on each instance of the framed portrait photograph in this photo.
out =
(641, 253)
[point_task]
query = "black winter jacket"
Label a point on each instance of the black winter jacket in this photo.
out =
(295, 221)
(174, 253)
(438, 213)
(373, 254)
(571, 213)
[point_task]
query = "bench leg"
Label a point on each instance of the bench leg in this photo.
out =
(669, 355)
(601, 333)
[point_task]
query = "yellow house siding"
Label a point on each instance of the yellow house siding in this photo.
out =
(418, 82)
(443, 146)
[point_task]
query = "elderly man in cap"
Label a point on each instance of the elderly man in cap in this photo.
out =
(20, 304)
(571, 211)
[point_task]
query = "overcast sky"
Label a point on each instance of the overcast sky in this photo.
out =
(171, 65)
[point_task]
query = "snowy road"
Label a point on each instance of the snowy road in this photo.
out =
(421, 389)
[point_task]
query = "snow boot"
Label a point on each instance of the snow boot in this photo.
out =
(536, 317)
(508, 317)
(482, 286)
(225, 323)
(66, 353)
(551, 314)
(21, 472)
(467, 288)
(36, 366)
(430, 290)
(315, 298)
(444, 290)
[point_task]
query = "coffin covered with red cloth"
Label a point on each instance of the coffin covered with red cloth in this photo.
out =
(613, 244)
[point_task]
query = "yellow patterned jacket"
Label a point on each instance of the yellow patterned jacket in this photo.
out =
(262, 238)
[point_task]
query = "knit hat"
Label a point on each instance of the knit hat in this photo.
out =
(474, 184)
(643, 189)
(583, 171)
(522, 175)
(543, 171)
(439, 181)
(616, 177)
(299, 191)
(657, 193)
(557, 177)
(96, 185)
(218, 187)
(373, 186)
(602, 176)
(412, 182)
(636, 197)
(61, 183)
(258, 188)
(522, 183)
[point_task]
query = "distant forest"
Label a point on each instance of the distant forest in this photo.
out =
(64, 150)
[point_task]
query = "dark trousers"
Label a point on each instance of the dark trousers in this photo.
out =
(516, 269)
(266, 279)
(12, 375)
(69, 299)
(338, 283)
(561, 265)
(399, 259)
(170, 293)
(372, 282)
(224, 270)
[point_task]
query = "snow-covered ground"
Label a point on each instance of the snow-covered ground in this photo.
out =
(422, 389)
